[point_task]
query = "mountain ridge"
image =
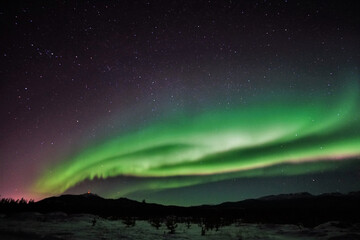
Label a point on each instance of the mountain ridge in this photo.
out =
(278, 197)
(295, 208)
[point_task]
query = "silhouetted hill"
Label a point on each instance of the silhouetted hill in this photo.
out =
(287, 196)
(94, 204)
(299, 208)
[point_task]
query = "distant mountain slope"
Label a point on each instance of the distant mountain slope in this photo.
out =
(298, 208)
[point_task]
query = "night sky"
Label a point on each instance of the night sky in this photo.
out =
(179, 102)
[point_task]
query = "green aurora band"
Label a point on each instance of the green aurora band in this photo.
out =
(220, 145)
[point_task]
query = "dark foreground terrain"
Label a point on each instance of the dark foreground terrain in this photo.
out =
(88, 216)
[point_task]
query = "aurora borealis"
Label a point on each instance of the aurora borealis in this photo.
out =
(219, 142)
(154, 101)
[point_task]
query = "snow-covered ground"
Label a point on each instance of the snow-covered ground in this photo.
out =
(32, 226)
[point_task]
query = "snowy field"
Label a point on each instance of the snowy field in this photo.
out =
(32, 226)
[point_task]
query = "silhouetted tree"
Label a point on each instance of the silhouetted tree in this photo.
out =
(93, 222)
(129, 221)
(203, 229)
(11, 205)
(155, 222)
(171, 224)
(188, 223)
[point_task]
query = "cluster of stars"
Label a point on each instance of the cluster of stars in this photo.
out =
(74, 74)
